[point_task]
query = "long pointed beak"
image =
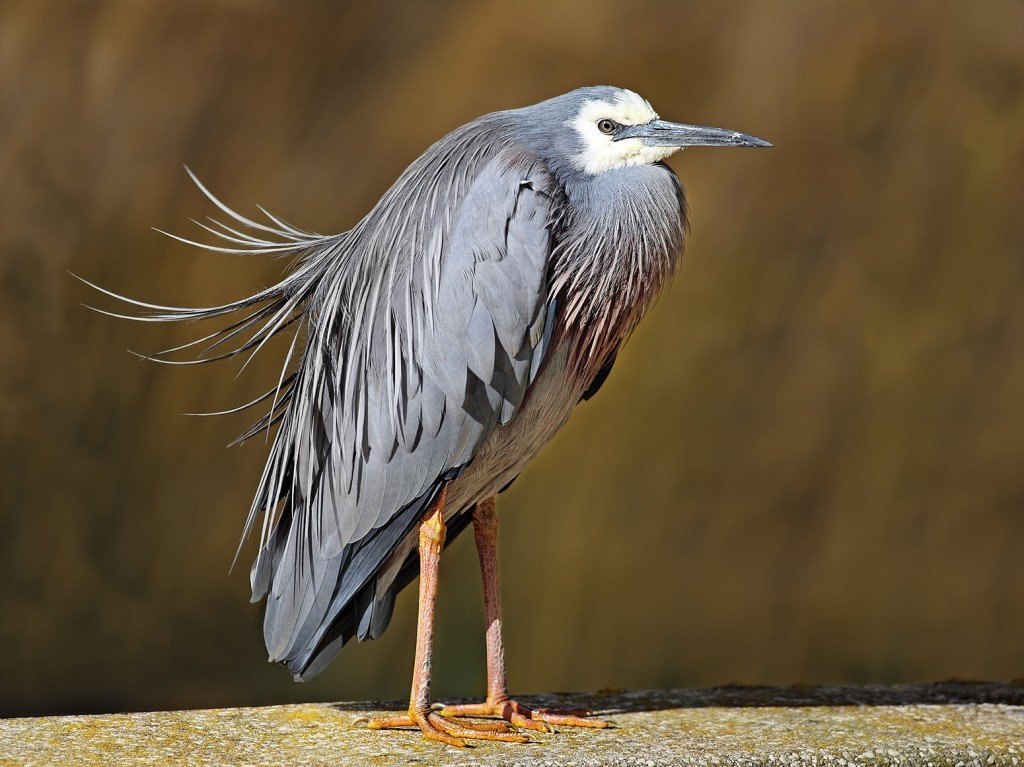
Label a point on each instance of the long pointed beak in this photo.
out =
(664, 133)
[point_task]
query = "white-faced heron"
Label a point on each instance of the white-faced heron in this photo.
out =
(436, 347)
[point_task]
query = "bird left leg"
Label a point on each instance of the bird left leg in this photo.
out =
(435, 725)
(498, 702)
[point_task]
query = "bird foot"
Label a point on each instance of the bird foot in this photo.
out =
(539, 719)
(438, 726)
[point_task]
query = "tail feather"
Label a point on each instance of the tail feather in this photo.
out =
(360, 605)
(366, 617)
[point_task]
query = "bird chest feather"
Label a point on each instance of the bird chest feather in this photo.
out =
(615, 252)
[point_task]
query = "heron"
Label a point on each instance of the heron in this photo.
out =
(436, 347)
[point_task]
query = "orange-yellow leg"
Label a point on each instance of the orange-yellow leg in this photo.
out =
(498, 703)
(435, 725)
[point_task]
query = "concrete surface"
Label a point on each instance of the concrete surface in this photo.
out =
(959, 724)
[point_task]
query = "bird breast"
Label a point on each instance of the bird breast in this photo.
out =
(619, 244)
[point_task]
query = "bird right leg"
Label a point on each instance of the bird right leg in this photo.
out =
(434, 725)
(498, 703)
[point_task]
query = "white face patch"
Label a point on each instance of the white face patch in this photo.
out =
(600, 152)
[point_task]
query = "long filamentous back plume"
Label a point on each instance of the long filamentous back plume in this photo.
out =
(332, 297)
(281, 308)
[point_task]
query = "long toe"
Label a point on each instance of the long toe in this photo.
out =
(455, 732)
(568, 718)
(539, 719)
(462, 729)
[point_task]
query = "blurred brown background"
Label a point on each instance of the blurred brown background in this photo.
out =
(807, 466)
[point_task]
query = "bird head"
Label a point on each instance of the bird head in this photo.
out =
(609, 128)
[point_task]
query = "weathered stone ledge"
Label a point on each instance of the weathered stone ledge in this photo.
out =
(959, 724)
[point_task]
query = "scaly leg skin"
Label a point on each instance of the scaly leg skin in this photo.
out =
(433, 724)
(498, 703)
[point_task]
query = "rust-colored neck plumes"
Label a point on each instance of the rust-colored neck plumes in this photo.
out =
(613, 261)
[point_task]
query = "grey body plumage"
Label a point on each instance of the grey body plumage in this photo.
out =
(443, 339)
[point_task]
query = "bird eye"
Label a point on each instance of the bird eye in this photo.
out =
(606, 126)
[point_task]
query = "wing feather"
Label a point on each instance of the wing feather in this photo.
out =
(422, 330)
(428, 376)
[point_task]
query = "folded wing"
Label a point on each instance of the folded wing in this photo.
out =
(423, 340)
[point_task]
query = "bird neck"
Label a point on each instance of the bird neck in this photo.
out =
(618, 244)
